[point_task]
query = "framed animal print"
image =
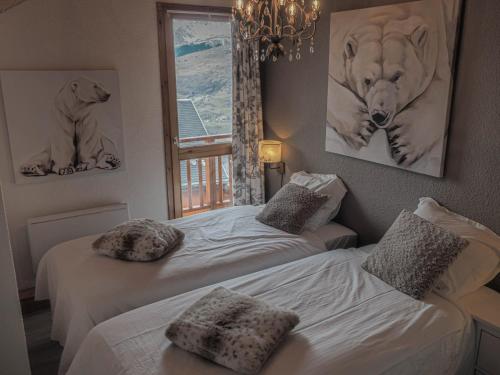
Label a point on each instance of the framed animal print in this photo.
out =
(390, 81)
(63, 123)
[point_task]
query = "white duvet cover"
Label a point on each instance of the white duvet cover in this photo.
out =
(351, 323)
(85, 289)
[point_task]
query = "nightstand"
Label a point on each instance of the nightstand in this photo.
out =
(484, 306)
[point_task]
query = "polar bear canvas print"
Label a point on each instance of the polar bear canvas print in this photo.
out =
(390, 83)
(63, 123)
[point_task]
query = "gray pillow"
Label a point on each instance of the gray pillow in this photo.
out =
(231, 329)
(141, 240)
(413, 254)
(290, 208)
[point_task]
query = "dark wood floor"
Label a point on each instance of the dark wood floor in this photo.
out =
(44, 354)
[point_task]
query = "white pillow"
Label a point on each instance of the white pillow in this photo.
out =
(477, 264)
(327, 184)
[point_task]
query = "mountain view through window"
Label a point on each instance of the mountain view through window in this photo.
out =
(203, 68)
(203, 72)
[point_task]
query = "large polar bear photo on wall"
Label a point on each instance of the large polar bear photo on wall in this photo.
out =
(389, 83)
(63, 123)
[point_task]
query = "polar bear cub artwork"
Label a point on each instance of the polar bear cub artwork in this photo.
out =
(389, 83)
(75, 124)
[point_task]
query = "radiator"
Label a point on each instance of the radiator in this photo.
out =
(47, 231)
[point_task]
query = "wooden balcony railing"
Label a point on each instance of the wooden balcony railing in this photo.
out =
(207, 138)
(206, 178)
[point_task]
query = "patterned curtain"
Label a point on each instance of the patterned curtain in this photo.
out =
(248, 173)
(5, 5)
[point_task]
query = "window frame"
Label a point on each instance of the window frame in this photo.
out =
(173, 153)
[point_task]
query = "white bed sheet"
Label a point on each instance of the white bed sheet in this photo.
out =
(351, 323)
(333, 236)
(86, 289)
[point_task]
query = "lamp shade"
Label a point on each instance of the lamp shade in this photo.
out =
(270, 151)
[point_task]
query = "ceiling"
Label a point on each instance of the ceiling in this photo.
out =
(7, 4)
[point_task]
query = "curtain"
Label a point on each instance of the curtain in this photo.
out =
(248, 173)
(5, 5)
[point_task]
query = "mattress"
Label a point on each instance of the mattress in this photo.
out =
(351, 323)
(85, 289)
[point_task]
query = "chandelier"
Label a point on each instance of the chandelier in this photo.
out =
(273, 21)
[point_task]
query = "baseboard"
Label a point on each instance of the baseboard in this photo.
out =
(30, 306)
(28, 303)
(27, 294)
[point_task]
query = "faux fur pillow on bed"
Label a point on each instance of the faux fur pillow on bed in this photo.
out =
(290, 208)
(231, 329)
(141, 240)
(413, 254)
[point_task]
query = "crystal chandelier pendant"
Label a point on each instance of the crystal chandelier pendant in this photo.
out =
(277, 23)
(262, 56)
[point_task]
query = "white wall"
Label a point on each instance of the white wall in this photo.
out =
(13, 353)
(89, 34)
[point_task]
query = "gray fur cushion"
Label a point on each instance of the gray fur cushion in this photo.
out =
(231, 329)
(141, 240)
(413, 254)
(290, 208)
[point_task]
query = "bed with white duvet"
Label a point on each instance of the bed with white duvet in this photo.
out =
(85, 289)
(351, 323)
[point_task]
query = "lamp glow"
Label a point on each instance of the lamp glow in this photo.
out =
(249, 9)
(270, 151)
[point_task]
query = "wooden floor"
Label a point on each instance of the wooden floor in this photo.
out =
(44, 354)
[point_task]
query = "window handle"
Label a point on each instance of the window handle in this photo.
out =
(176, 141)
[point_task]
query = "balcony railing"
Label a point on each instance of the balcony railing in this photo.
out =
(206, 176)
(207, 139)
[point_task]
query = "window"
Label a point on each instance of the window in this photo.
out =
(196, 67)
(203, 72)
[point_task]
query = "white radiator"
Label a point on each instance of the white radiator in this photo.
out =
(48, 231)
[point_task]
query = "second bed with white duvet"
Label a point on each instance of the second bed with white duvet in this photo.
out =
(351, 323)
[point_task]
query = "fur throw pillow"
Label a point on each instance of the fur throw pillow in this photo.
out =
(141, 240)
(290, 208)
(413, 254)
(231, 329)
